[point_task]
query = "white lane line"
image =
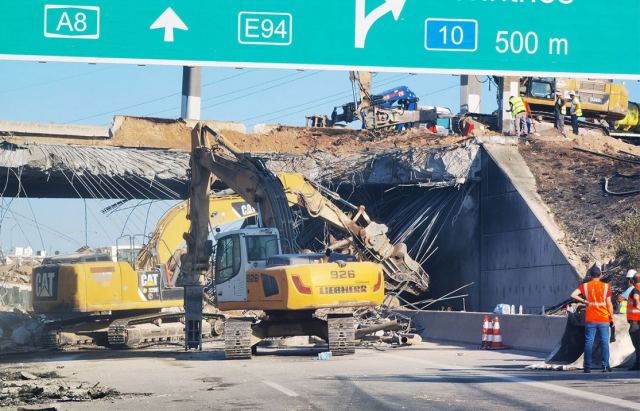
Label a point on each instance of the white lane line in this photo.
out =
(585, 395)
(280, 388)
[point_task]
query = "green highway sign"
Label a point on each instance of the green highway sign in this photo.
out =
(581, 38)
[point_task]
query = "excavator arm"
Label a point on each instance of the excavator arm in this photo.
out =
(272, 197)
(364, 238)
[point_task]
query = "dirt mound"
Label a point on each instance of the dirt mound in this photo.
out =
(298, 140)
(571, 183)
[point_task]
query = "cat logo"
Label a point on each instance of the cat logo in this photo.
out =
(149, 286)
(46, 284)
(243, 209)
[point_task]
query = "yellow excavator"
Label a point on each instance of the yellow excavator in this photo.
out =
(90, 299)
(605, 103)
(262, 268)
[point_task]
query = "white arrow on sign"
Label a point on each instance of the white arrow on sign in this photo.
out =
(169, 21)
(364, 22)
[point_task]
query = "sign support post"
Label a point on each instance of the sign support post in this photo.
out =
(191, 93)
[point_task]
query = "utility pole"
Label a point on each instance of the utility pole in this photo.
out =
(191, 93)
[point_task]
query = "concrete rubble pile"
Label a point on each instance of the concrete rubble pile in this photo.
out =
(28, 388)
(381, 326)
(19, 331)
(17, 273)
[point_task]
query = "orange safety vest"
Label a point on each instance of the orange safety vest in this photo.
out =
(633, 312)
(596, 292)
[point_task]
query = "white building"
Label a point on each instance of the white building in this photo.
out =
(21, 252)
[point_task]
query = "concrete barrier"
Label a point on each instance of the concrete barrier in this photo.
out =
(524, 332)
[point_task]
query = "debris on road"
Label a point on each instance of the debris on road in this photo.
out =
(383, 326)
(28, 388)
(19, 331)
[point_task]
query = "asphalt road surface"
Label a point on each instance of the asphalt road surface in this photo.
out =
(427, 376)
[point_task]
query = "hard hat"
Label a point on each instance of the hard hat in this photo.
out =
(631, 273)
(572, 93)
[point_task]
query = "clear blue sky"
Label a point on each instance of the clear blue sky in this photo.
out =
(92, 94)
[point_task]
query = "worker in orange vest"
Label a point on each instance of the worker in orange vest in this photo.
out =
(633, 316)
(596, 295)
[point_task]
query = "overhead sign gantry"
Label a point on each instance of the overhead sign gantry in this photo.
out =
(578, 38)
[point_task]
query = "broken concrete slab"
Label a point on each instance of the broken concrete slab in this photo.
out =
(70, 171)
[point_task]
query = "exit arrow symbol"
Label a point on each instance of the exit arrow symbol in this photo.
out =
(169, 21)
(364, 22)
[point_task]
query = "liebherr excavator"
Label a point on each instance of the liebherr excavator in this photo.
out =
(261, 268)
(90, 299)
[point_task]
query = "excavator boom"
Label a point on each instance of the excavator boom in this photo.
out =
(271, 197)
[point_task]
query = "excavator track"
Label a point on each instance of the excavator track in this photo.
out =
(123, 334)
(342, 335)
(237, 339)
(148, 330)
(74, 332)
(50, 339)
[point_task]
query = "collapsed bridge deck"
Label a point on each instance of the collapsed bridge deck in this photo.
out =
(50, 167)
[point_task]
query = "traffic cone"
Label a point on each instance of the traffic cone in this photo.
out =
(486, 332)
(496, 341)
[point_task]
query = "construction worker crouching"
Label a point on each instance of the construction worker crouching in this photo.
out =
(596, 295)
(576, 112)
(518, 113)
(633, 316)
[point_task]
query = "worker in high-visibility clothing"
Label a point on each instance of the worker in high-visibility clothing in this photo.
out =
(633, 316)
(518, 113)
(559, 111)
(576, 112)
(625, 295)
(596, 295)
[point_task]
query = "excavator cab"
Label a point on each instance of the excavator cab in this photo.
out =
(236, 253)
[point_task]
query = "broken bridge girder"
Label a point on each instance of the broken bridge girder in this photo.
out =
(365, 238)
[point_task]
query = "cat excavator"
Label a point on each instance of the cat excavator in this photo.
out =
(89, 299)
(262, 268)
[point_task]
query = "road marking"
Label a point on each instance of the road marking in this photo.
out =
(585, 395)
(280, 388)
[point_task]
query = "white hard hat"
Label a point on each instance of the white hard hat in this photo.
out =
(572, 93)
(631, 273)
